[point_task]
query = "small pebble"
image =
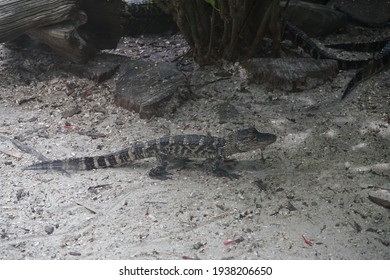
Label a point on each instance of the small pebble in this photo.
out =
(49, 229)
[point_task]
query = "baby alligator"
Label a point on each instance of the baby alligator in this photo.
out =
(178, 146)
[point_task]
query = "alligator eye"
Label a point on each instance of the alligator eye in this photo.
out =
(251, 136)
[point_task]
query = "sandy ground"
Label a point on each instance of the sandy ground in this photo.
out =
(307, 200)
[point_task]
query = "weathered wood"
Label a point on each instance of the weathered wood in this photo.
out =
(291, 73)
(65, 40)
(76, 29)
(19, 16)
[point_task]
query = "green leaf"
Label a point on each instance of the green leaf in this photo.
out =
(212, 3)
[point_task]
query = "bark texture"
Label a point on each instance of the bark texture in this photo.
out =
(74, 28)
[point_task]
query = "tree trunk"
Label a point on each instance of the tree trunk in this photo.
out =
(74, 28)
(226, 29)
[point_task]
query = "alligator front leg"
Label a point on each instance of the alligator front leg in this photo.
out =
(159, 171)
(218, 170)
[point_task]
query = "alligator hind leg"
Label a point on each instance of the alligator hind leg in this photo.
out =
(159, 171)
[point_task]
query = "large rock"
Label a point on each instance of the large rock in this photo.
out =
(291, 73)
(314, 19)
(145, 87)
(101, 68)
(369, 12)
(380, 196)
(150, 88)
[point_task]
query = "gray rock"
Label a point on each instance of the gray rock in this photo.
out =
(369, 12)
(228, 113)
(49, 229)
(314, 19)
(99, 69)
(380, 196)
(291, 73)
(145, 87)
(150, 88)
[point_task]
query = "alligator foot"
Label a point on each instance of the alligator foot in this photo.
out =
(160, 173)
(223, 173)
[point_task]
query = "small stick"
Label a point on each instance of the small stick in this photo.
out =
(11, 153)
(307, 241)
(86, 207)
(24, 148)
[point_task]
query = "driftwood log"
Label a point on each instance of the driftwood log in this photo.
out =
(76, 29)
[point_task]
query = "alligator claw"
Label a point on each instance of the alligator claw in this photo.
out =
(159, 173)
(223, 173)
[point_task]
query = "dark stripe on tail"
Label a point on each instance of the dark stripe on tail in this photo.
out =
(138, 150)
(179, 139)
(112, 160)
(373, 67)
(124, 156)
(101, 162)
(89, 163)
(306, 43)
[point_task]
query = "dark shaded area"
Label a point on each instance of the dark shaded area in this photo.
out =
(228, 30)
(103, 28)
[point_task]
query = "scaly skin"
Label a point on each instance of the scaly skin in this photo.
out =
(178, 146)
(380, 62)
(367, 68)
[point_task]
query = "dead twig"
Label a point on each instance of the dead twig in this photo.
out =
(12, 153)
(86, 207)
(24, 147)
